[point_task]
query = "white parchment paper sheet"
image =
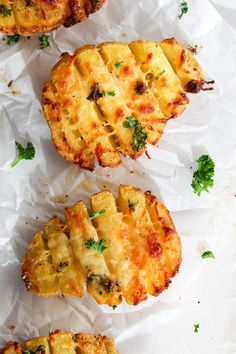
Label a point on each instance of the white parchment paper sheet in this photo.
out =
(204, 291)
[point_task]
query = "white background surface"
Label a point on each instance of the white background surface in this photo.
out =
(163, 325)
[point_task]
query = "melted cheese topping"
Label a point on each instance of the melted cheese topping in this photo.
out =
(134, 89)
(65, 343)
(162, 78)
(142, 250)
(93, 92)
(182, 61)
(92, 67)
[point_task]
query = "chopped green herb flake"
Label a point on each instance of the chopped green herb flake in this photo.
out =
(97, 214)
(183, 8)
(208, 254)
(96, 246)
(111, 93)
(44, 41)
(13, 39)
(131, 205)
(27, 153)
(114, 307)
(40, 350)
(4, 11)
(139, 136)
(119, 64)
(196, 327)
(159, 75)
(203, 177)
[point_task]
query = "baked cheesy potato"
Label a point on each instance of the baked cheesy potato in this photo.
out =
(60, 342)
(114, 98)
(126, 248)
(27, 17)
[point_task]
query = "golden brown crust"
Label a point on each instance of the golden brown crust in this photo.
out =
(93, 92)
(31, 16)
(60, 342)
(142, 250)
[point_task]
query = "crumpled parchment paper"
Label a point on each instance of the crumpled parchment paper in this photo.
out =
(204, 291)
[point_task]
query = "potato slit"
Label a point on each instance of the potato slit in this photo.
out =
(38, 272)
(26, 17)
(52, 107)
(82, 231)
(163, 81)
(111, 228)
(146, 251)
(133, 88)
(80, 114)
(62, 343)
(93, 69)
(69, 272)
(165, 228)
(184, 65)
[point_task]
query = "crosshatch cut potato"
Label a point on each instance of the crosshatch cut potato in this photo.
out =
(26, 17)
(125, 248)
(59, 342)
(113, 99)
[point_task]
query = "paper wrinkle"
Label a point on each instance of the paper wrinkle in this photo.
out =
(29, 191)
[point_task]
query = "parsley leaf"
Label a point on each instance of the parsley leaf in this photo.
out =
(208, 254)
(13, 39)
(96, 214)
(111, 93)
(139, 136)
(40, 349)
(114, 307)
(203, 177)
(44, 41)
(4, 11)
(96, 246)
(159, 75)
(196, 327)
(119, 64)
(27, 153)
(183, 8)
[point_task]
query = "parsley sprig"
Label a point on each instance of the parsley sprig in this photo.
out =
(99, 247)
(183, 8)
(208, 254)
(96, 214)
(13, 39)
(4, 11)
(203, 177)
(111, 93)
(196, 327)
(44, 41)
(159, 75)
(40, 349)
(119, 64)
(27, 153)
(139, 136)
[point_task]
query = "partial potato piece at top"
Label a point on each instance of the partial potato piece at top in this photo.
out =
(59, 342)
(111, 100)
(28, 17)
